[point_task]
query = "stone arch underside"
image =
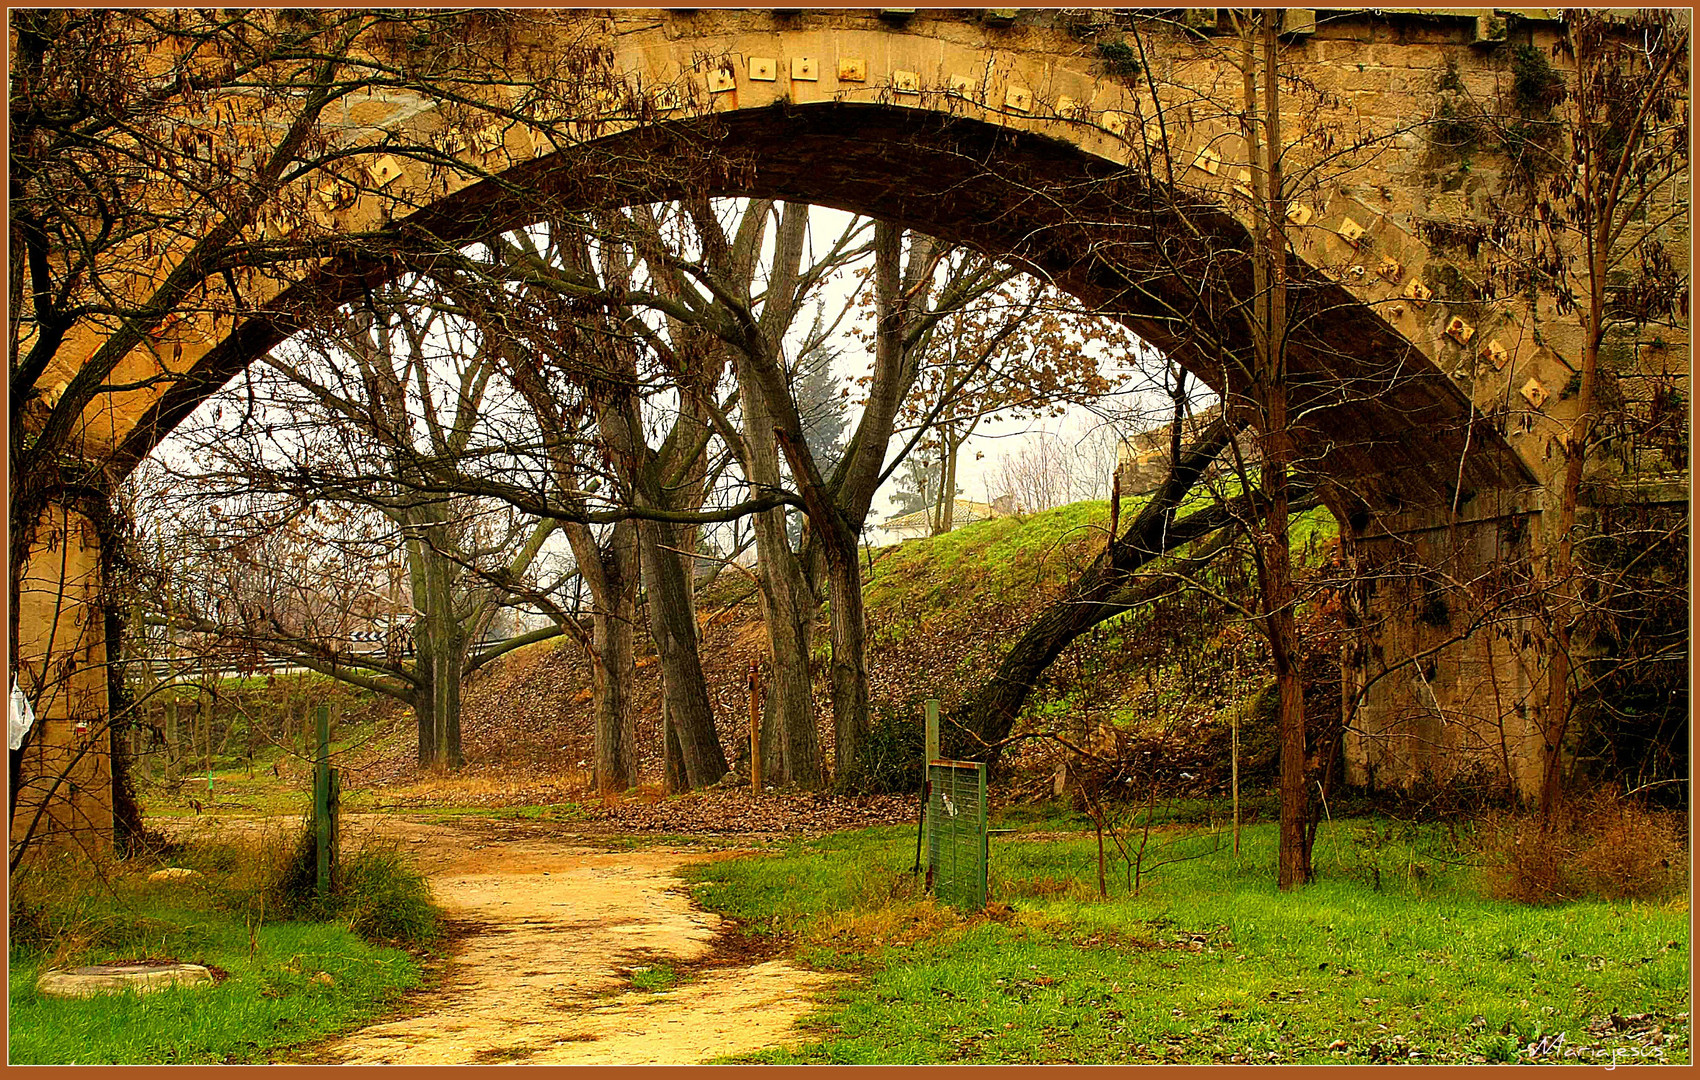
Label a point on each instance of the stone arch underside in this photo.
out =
(1378, 423)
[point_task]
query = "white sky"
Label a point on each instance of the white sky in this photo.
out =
(979, 466)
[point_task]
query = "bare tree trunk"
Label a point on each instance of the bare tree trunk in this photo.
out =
(610, 572)
(849, 651)
(674, 780)
(673, 624)
(788, 606)
(616, 724)
(788, 603)
(1562, 580)
(947, 508)
(1269, 332)
(442, 651)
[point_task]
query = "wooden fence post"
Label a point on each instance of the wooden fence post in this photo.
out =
(171, 739)
(932, 729)
(322, 824)
(755, 728)
(932, 755)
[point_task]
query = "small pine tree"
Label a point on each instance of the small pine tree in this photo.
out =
(822, 402)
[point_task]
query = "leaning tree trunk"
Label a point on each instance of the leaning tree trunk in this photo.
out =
(1095, 596)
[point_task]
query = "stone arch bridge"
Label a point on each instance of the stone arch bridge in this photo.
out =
(1099, 150)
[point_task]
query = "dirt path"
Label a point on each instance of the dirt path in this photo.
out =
(549, 932)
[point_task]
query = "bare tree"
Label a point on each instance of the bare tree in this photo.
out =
(338, 442)
(1018, 351)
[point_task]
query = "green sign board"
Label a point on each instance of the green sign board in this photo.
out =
(956, 833)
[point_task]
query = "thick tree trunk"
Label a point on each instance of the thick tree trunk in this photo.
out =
(610, 572)
(445, 706)
(674, 780)
(615, 735)
(422, 713)
(442, 651)
(788, 608)
(788, 605)
(672, 623)
(849, 652)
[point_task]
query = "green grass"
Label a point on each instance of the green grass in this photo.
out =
(986, 557)
(559, 812)
(1045, 549)
(1209, 962)
(270, 1001)
(651, 979)
(295, 970)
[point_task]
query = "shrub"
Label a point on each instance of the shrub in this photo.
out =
(1611, 847)
(1636, 854)
(377, 892)
(384, 897)
(890, 758)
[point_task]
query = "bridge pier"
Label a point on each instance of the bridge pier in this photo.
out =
(1448, 682)
(62, 780)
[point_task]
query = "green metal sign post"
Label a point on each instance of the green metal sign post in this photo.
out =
(931, 754)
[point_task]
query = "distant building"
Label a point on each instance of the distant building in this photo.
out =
(920, 523)
(1142, 458)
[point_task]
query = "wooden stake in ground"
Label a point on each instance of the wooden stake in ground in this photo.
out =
(1234, 766)
(171, 739)
(1235, 769)
(1115, 503)
(755, 728)
(322, 800)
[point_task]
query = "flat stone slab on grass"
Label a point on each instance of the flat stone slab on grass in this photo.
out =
(116, 978)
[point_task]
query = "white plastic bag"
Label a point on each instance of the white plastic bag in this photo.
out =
(19, 717)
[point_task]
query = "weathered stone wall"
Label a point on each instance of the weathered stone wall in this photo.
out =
(1447, 680)
(65, 786)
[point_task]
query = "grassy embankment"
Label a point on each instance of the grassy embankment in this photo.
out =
(943, 611)
(1209, 962)
(291, 969)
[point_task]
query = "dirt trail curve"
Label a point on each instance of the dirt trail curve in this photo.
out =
(549, 932)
